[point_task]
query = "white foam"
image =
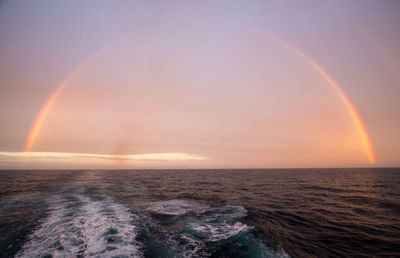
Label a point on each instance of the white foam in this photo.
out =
(84, 227)
(224, 213)
(216, 232)
(175, 207)
(193, 247)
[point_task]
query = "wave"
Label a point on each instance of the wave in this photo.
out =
(197, 230)
(215, 232)
(175, 207)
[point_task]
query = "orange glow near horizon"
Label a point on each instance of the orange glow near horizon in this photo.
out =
(351, 109)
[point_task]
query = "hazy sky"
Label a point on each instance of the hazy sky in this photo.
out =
(199, 84)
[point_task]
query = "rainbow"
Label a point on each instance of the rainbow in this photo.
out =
(47, 106)
(350, 107)
(33, 132)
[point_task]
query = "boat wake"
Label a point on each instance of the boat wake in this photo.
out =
(79, 226)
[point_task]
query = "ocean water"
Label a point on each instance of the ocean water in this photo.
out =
(200, 213)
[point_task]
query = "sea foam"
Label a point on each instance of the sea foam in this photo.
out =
(82, 227)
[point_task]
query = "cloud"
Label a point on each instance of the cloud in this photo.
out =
(60, 156)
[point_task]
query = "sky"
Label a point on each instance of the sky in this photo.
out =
(199, 84)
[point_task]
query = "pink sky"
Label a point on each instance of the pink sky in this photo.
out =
(193, 85)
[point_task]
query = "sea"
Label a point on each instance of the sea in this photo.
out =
(352, 212)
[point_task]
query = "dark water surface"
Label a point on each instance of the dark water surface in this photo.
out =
(200, 213)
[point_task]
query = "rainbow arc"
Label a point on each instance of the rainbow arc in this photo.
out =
(33, 133)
